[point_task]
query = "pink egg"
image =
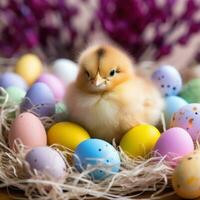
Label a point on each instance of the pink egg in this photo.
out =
(29, 130)
(188, 118)
(174, 143)
(54, 84)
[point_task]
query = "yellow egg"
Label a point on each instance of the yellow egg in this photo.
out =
(186, 176)
(140, 140)
(29, 67)
(67, 134)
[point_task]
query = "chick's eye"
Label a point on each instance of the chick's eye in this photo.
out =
(112, 72)
(87, 73)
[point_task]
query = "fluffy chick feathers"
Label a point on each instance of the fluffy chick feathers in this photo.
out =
(108, 98)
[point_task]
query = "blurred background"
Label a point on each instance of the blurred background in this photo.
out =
(165, 31)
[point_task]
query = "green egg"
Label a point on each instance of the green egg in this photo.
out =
(15, 94)
(61, 112)
(191, 91)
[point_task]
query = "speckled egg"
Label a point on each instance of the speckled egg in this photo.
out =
(48, 161)
(186, 176)
(188, 118)
(99, 154)
(8, 79)
(29, 129)
(15, 94)
(140, 140)
(168, 80)
(56, 86)
(172, 104)
(67, 134)
(191, 91)
(29, 67)
(39, 100)
(174, 143)
(65, 69)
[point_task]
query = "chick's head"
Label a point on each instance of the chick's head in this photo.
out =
(102, 68)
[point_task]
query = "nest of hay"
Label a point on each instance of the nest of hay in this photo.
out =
(136, 176)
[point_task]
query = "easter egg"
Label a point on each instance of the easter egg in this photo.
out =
(172, 104)
(140, 140)
(8, 79)
(29, 67)
(65, 69)
(39, 100)
(168, 80)
(48, 161)
(15, 94)
(99, 154)
(191, 91)
(67, 134)
(54, 84)
(188, 118)
(186, 176)
(174, 143)
(61, 112)
(29, 129)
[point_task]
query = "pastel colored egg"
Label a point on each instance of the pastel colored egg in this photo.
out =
(39, 100)
(188, 118)
(65, 69)
(48, 161)
(15, 94)
(67, 134)
(168, 80)
(172, 104)
(191, 91)
(99, 154)
(29, 129)
(140, 140)
(8, 79)
(61, 112)
(54, 84)
(186, 177)
(174, 143)
(29, 66)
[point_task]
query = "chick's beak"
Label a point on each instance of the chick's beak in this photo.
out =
(99, 81)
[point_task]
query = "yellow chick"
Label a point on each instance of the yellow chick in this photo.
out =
(108, 98)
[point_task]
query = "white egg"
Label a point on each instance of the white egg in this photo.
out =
(65, 69)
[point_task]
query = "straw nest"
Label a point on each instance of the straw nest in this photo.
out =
(136, 176)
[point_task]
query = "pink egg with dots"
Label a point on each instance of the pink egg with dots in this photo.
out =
(55, 84)
(174, 143)
(188, 118)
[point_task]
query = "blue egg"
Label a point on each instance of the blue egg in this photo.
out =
(39, 100)
(9, 79)
(172, 105)
(98, 153)
(168, 80)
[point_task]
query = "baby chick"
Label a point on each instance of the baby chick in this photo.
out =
(108, 98)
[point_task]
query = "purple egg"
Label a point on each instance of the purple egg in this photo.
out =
(173, 143)
(48, 161)
(168, 80)
(12, 79)
(188, 118)
(39, 100)
(56, 86)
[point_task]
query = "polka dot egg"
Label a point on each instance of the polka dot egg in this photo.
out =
(99, 157)
(188, 118)
(168, 80)
(186, 176)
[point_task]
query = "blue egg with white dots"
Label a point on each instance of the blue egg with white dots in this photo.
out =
(172, 105)
(168, 80)
(98, 154)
